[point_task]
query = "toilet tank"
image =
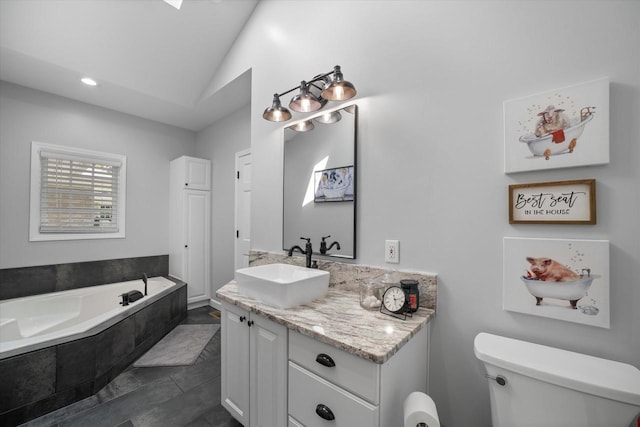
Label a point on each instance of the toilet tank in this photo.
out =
(547, 386)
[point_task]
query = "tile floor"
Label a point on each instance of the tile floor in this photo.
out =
(157, 396)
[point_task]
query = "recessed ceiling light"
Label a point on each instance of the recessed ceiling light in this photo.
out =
(175, 3)
(89, 81)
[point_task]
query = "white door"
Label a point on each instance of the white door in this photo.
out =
(243, 209)
(196, 258)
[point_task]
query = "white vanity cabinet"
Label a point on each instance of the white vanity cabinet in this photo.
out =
(254, 368)
(190, 225)
(328, 386)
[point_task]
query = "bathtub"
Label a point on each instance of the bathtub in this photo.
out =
(40, 321)
(569, 291)
(544, 146)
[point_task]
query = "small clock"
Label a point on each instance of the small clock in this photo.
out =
(395, 300)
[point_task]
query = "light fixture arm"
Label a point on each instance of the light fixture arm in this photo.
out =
(309, 82)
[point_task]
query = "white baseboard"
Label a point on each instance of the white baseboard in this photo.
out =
(215, 304)
(197, 304)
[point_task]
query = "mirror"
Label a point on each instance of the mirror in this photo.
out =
(319, 185)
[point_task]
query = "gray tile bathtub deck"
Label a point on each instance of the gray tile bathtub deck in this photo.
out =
(155, 396)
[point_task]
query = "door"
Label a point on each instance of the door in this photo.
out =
(243, 209)
(268, 372)
(197, 232)
(235, 363)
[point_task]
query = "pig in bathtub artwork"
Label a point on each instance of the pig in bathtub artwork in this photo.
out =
(547, 278)
(560, 128)
(557, 278)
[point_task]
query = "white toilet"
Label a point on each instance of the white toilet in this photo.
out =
(546, 386)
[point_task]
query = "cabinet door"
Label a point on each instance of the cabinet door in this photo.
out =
(197, 173)
(235, 363)
(196, 259)
(268, 373)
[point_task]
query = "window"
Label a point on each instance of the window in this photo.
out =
(76, 193)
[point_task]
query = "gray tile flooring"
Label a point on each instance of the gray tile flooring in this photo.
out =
(158, 396)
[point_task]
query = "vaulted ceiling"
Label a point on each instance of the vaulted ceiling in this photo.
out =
(150, 60)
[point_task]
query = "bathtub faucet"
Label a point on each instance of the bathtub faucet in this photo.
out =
(144, 279)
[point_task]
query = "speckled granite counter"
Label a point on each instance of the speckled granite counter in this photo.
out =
(338, 320)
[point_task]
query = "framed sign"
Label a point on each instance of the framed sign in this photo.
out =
(560, 202)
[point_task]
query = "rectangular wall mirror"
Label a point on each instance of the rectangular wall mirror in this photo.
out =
(320, 183)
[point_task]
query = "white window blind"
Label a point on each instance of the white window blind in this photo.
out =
(78, 194)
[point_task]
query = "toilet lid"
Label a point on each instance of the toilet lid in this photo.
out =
(580, 372)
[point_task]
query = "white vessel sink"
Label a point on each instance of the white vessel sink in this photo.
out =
(282, 285)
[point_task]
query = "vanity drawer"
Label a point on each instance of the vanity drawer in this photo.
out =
(350, 372)
(307, 391)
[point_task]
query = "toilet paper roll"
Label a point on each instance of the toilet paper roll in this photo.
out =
(420, 411)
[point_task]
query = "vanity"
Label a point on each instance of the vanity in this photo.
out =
(321, 360)
(329, 362)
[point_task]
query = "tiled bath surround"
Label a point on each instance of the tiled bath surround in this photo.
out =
(41, 381)
(349, 276)
(25, 281)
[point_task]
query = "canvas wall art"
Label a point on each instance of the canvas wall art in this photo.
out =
(560, 128)
(334, 185)
(565, 279)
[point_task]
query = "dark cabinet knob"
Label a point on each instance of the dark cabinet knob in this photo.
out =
(326, 360)
(186, 184)
(324, 412)
(242, 319)
(249, 323)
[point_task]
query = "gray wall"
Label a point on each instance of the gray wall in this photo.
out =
(28, 115)
(220, 142)
(432, 78)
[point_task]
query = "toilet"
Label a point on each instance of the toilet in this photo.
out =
(535, 385)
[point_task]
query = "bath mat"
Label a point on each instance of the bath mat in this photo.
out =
(182, 346)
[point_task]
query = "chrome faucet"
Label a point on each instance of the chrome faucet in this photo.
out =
(307, 252)
(323, 246)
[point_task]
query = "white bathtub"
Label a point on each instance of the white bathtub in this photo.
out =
(569, 291)
(544, 145)
(39, 321)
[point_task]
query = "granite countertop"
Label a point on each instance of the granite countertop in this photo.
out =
(338, 320)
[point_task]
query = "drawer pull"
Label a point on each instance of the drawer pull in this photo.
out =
(326, 360)
(324, 412)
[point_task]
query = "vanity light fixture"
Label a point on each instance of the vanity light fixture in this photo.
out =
(332, 85)
(276, 113)
(303, 126)
(305, 101)
(329, 117)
